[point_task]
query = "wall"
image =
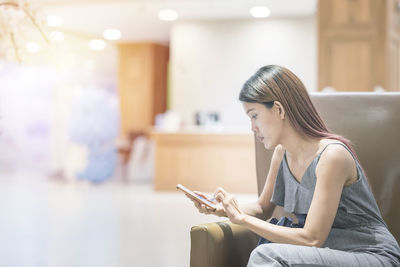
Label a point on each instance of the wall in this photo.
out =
(211, 60)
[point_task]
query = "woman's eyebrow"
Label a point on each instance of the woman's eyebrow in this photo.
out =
(249, 110)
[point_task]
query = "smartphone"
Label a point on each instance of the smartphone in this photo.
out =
(196, 196)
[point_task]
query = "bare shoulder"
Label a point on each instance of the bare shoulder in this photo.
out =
(277, 156)
(337, 153)
(335, 150)
(337, 158)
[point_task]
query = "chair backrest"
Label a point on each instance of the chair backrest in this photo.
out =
(371, 121)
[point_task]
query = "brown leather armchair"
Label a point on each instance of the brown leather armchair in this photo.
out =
(372, 122)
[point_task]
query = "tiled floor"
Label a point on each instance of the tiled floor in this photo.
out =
(83, 225)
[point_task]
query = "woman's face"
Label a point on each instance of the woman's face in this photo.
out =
(265, 123)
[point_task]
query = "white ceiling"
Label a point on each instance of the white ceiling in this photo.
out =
(138, 21)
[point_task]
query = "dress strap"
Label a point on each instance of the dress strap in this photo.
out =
(351, 153)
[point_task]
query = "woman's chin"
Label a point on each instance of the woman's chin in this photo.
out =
(268, 146)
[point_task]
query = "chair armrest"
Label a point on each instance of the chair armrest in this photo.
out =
(221, 244)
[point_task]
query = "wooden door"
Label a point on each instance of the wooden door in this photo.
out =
(351, 44)
(142, 84)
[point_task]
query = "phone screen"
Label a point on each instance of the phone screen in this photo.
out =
(193, 194)
(204, 199)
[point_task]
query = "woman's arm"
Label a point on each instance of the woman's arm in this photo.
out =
(263, 207)
(333, 170)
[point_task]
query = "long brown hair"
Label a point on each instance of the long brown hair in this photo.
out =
(275, 83)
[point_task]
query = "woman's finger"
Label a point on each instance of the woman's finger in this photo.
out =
(221, 190)
(220, 197)
(201, 194)
(189, 196)
(200, 208)
(196, 202)
(193, 198)
(204, 209)
(227, 199)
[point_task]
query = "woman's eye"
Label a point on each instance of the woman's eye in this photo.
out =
(254, 116)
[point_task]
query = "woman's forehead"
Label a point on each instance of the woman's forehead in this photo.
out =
(251, 106)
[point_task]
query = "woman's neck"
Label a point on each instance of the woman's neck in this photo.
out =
(300, 148)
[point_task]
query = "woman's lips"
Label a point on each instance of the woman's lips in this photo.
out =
(261, 139)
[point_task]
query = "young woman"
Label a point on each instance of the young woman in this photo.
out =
(315, 175)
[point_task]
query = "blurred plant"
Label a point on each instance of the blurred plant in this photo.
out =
(16, 16)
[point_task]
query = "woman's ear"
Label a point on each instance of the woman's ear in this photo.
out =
(280, 109)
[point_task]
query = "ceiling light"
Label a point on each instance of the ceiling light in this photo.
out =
(97, 44)
(56, 36)
(260, 11)
(32, 47)
(112, 34)
(167, 15)
(54, 20)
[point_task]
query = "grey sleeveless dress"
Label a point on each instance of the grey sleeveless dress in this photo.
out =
(358, 237)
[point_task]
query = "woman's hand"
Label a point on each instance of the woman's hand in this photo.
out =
(219, 211)
(230, 205)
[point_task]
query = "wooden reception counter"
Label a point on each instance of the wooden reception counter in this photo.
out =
(205, 160)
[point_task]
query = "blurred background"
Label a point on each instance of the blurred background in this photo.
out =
(105, 105)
